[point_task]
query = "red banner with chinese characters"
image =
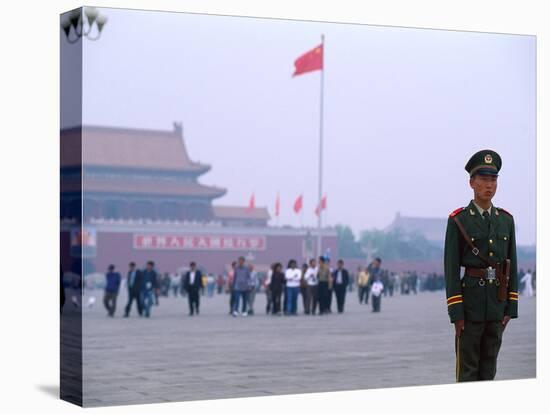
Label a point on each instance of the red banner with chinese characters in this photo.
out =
(198, 242)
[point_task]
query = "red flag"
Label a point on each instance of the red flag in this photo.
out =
(251, 203)
(298, 204)
(323, 206)
(309, 61)
(277, 205)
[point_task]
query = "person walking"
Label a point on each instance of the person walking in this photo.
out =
(267, 289)
(150, 286)
(229, 286)
(292, 276)
(252, 288)
(527, 279)
(241, 287)
(192, 283)
(210, 284)
(362, 284)
(312, 297)
(134, 282)
(277, 285)
(323, 276)
(481, 238)
(204, 283)
(111, 290)
(330, 286)
(303, 286)
(341, 281)
(377, 289)
(373, 269)
(175, 283)
(219, 284)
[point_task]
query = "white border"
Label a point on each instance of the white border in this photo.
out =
(30, 73)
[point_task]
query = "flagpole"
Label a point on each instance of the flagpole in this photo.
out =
(321, 149)
(278, 207)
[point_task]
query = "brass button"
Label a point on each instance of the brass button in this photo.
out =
(491, 241)
(505, 238)
(491, 281)
(473, 239)
(490, 253)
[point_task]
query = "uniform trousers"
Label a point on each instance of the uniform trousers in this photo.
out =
(477, 350)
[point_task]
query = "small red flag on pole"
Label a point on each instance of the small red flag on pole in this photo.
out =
(309, 61)
(298, 204)
(251, 203)
(323, 206)
(277, 206)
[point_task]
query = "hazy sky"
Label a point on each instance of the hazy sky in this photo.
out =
(404, 110)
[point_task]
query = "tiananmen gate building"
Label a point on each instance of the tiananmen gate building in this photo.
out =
(138, 195)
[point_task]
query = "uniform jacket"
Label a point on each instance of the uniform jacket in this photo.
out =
(466, 298)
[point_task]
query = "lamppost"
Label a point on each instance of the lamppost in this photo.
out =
(80, 27)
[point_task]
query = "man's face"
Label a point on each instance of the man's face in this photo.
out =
(484, 186)
(340, 265)
(313, 263)
(241, 262)
(149, 267)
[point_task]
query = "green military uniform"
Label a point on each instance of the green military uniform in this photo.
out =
(474, 299)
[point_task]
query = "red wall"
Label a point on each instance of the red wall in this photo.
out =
(117, 249)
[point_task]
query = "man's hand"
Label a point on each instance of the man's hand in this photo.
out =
(505, 321)
(459, 327)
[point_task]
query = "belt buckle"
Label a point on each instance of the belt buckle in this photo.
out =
(491, 273)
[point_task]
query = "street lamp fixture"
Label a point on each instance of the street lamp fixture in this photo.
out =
(80, 22)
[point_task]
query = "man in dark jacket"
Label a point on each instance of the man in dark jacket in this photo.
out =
(341, 280)
(192, 283)
(150, 283)
(134, 281)
(111, 290)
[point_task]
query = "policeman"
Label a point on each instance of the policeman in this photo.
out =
(480, 238)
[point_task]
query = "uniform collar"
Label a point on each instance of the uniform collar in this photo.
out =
(481, 210)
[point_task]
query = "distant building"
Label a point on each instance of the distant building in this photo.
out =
(433, 229)
(141, 174)
(138, 195)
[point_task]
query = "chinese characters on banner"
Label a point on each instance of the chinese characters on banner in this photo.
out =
(197, 242)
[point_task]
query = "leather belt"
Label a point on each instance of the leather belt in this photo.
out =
(475, 272)
(483, 274)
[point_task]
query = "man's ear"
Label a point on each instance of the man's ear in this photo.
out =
(472, 182)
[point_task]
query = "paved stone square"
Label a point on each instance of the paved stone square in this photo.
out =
(174, 357)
